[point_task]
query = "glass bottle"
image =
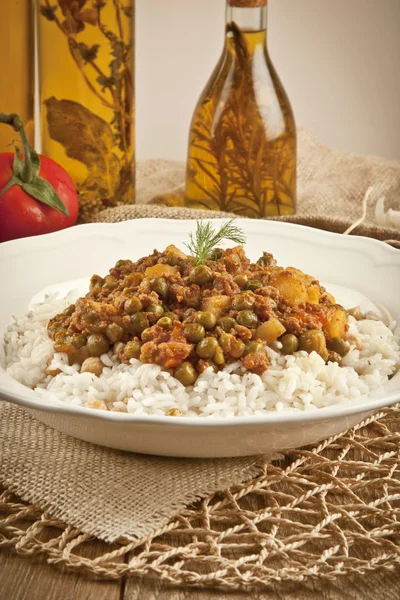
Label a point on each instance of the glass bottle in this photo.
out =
(242, 141)
(86, 74)
(16, 73)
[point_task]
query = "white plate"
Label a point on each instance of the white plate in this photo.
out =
(353, 268)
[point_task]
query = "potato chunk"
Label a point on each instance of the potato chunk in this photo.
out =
(307, 279)
(172, 250)
(336, 325)
(313, 293)
(216, 304)
(160, 270)
(290, 288)
(270, 331)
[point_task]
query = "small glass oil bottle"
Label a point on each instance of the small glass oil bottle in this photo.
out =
(242, 142)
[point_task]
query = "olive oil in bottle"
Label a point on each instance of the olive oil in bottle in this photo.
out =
(242, 142)
(86, 73)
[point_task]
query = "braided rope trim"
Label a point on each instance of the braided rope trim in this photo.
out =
(321, 512)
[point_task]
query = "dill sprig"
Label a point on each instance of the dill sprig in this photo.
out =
(205, 239)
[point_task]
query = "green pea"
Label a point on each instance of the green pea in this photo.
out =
(132, 349)
(78, 340)
(53, 328)
(114, 332)
(262, 262)
(139, 322)
(172, 316)
(155, 309)
(219, 357)
(216, 254)
(237, 348)
(165, 323)
(207, 319)
(254, 284)
(96, 283)
(68, 312)
(266, 260)
(247, 318)
(243, 301)
(133, 305)
(313, 341)
(290, 343)
(225, 341)
(97, 344)
(201, 275)
(187, 314)
(194, 332)
(146, 335)
(186, 374)
(241, 281)
(206, 348)
(227, 323)
(253, 347)
(120, 263)
(110, 283)
(160, 285)
(339, 345)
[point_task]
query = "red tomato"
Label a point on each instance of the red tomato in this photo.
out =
(21, 215)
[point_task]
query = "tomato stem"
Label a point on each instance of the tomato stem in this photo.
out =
(27, 172)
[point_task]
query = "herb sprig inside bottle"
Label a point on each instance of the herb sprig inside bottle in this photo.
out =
(206, 238)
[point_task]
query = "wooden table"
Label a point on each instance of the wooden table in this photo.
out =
(23, 578)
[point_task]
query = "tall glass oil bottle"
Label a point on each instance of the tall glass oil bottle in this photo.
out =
(242, 142)
(17, 72)
(86, 75)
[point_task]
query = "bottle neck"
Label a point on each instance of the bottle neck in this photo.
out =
(247, 19)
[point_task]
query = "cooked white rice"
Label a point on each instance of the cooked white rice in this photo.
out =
(297, 383)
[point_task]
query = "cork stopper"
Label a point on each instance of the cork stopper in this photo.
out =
(247, 3)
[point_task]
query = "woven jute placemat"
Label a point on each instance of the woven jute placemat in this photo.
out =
(321, 512)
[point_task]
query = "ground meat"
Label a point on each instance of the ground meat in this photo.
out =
(91, 316)
(256, 362)
(223, 284)
(235, 260)
(264, 308)
(167, 354)
(243, 333)
(147, 261)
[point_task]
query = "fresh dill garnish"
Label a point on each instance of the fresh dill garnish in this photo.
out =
(206, 238)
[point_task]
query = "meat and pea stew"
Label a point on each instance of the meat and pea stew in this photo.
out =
(186, 314)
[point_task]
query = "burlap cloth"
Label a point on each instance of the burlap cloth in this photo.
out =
(331, 188)
(319, 512)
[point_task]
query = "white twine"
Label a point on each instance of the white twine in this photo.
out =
(364, 212)
(391, 218)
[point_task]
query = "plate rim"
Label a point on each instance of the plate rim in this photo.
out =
(85, 227)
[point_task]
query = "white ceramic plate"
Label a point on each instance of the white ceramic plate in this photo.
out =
(357, 270)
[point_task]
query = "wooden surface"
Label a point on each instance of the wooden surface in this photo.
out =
(23, 578)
